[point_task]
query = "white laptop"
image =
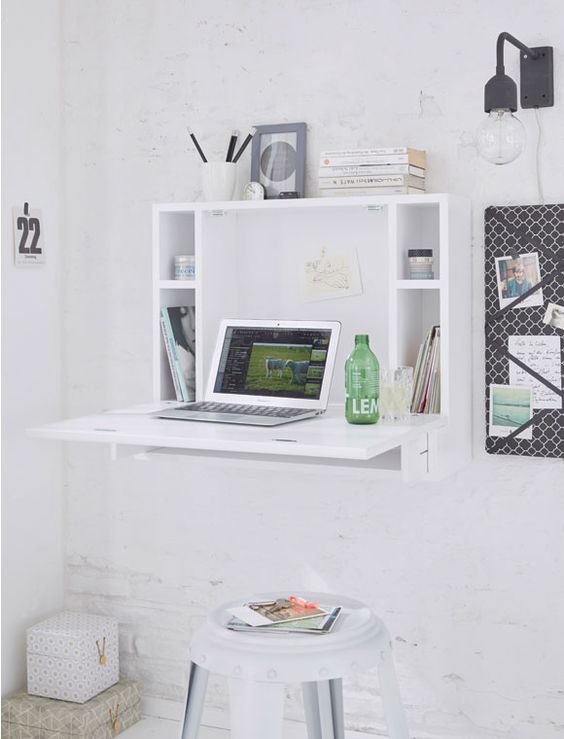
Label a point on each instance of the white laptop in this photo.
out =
(265, 373)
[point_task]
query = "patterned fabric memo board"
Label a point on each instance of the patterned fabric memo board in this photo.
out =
(510, 233)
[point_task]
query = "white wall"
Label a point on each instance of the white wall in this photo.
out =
(32, 487)
(468, 573)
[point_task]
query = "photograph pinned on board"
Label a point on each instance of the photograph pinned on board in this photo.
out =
(554, 316)
(516, 276)
(510, 407)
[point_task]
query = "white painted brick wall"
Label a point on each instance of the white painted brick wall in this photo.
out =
(32, 340)
(466, 573)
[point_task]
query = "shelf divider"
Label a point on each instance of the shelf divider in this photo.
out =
(178, 284)
(418, 284)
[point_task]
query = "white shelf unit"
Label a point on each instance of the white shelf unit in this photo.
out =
(249, 255)
(172, 236)
(248, 259)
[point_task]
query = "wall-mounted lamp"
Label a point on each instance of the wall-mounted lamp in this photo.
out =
(501, 138)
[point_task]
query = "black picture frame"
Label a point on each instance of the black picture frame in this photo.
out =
(278, 159)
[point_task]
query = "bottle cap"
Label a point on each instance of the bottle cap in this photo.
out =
(419, 252)
(361, 338)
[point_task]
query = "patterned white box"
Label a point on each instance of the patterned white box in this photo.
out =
(72, 656)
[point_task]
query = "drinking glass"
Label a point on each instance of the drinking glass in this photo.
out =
(395, 393)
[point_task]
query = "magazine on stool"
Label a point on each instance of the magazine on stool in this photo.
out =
(291, 615)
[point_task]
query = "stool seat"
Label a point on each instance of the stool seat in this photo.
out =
(352, 645)
(258, 665)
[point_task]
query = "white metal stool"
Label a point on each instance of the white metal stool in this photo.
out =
(258, 665)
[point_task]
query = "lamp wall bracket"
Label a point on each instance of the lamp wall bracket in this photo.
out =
(537, 78)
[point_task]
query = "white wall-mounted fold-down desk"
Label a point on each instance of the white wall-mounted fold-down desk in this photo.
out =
(399, 450)
(248, 256)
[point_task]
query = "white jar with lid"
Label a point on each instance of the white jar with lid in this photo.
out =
(420, 264)
(184, 267)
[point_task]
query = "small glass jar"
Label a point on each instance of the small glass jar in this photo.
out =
(396, 388)
(420, 263)
(184, 267)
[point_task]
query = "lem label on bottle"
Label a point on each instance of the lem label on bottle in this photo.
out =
(362, 379)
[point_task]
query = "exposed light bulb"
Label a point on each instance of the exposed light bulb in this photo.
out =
(501, 137)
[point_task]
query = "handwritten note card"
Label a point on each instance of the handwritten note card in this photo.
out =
(541, 354)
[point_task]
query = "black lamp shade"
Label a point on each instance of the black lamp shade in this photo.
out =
(500, 92)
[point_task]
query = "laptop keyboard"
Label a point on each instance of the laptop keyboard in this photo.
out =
(247, 410)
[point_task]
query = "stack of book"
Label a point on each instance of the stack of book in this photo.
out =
(395, 170)
(426, 396)
(178, 330)
(291, 615)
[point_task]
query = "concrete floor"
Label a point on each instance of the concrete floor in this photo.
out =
(158, 728)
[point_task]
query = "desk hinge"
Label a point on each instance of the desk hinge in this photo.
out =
(426, 461)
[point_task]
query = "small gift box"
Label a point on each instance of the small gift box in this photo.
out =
(103, 717)
(72, 656)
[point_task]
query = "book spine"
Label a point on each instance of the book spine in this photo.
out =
(434, 403)
(365, 152)
(423, 406)
(371, 169)
(171, 362)
(405, 180)
(427, 374)
(372, 191)
(421, 372)
(185, 396)
(416, 378)
(355, 160)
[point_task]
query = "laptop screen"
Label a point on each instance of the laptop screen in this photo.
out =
(276, 362)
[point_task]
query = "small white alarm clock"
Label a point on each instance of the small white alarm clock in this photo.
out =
(253, 191)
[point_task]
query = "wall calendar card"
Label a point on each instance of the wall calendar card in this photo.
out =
(28, 236)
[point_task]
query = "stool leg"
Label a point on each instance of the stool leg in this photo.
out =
(311, 708)
(336, 689)
(393, 707)
(325, 709)
(197, 683)
(256, 709)
(323, 704)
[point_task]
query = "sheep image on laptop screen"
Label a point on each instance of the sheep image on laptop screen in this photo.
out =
(298, 371)
(274, 365)
(279, 366)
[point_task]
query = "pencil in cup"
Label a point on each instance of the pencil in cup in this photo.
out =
(244, 145)
(197, 145)
(232, 145)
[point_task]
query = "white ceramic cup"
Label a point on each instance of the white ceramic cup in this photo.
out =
(218, 180)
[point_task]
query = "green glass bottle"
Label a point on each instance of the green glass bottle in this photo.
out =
(362, 383)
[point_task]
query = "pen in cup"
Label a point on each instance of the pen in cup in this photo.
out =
(197, 145)
(244, 145)
(231, 147)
